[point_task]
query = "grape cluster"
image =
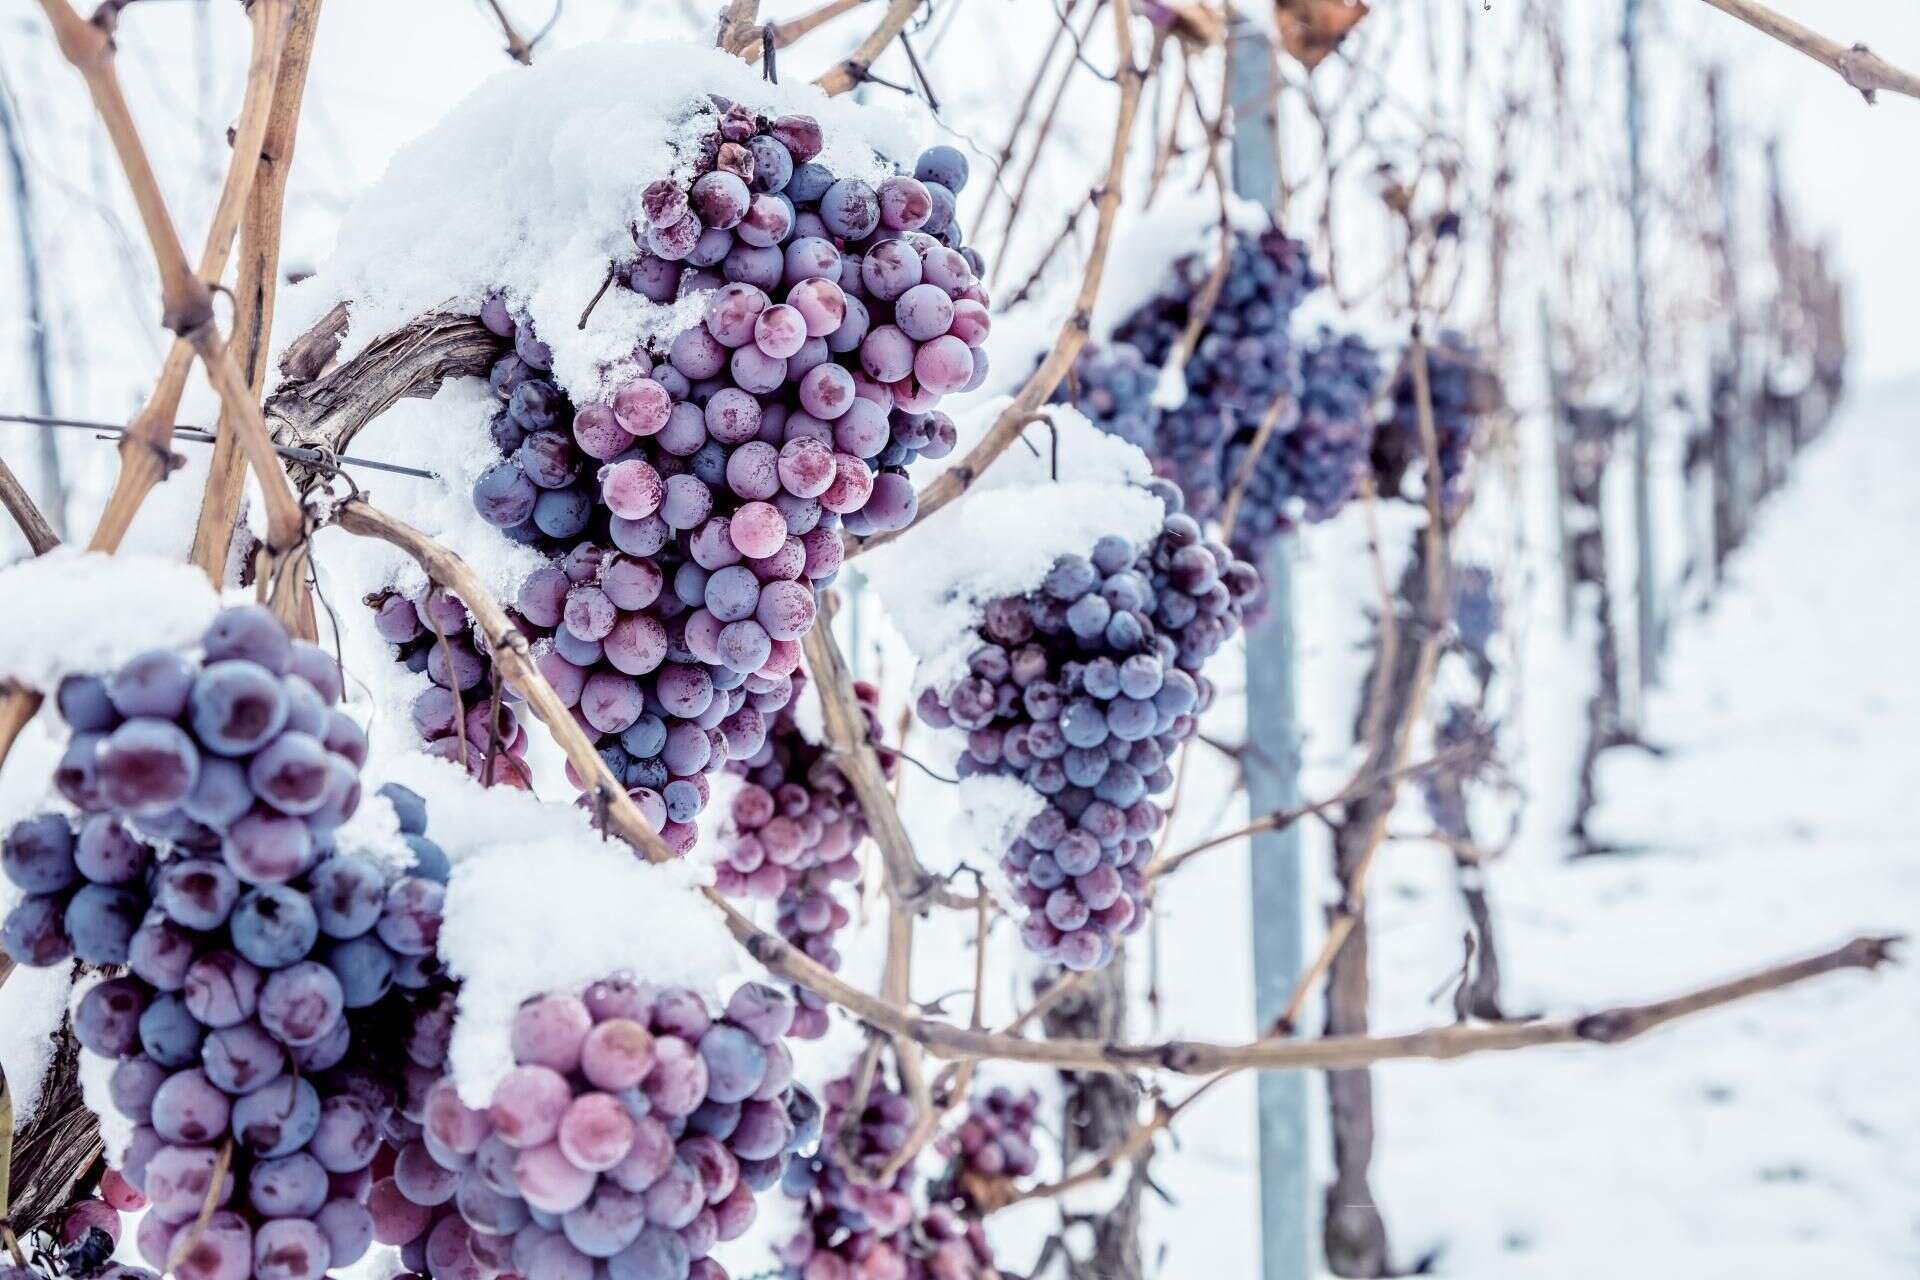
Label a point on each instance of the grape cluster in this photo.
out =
(467, 712)
(1083, 690)
(791, 836)
(239, 754)
(1463, 390)
(690, 515)
(1313, 467)
(855, 1225)
(995, 1141)
(1244, 361)
(1461, 729)
(1476, 610)
(1113, 386)
(1246, 367)
(255, 954)
(630, 1137)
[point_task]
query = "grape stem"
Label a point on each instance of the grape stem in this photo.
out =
(20, 505)
(854, 68)
(1858, 65)
(909, 887)
(257, 286)
(191, 1240)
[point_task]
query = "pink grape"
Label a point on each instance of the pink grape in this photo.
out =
(806, 467)
(732, 313)
(632, 489)
(821, 304)
(925, 312)
(887, 354)
(757, 529)
(528, 1105)
(826, 391)
(596, 1132)
(641, 407)
(780, 330)
(944, 365)
(732, 416)
(550, 1030)
(851, 485)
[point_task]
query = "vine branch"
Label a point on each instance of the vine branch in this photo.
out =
(1858, 65)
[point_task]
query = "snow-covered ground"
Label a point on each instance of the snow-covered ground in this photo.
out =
(1778, 1138)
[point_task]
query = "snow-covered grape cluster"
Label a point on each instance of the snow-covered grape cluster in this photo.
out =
(690, 515)
(239, 753)
(854, 1226)
(254, 952)
(791, 834)
(630, 1137)
(1083, 690)
(1463, 390)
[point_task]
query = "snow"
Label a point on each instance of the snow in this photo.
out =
(1772, 1139)
(75, 611)
(521, 868)
(1004, 534)
(541, 170)
(32, 1003)
(1148, 243)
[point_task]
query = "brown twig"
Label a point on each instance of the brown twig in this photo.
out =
(1858, 65)
(909, 886)
(20, 505)
(854, 68)
(1042, 133)
(258, 277)
(186, 305)
(785, 33)
(1281, 819)
(739, 24)
(6, 1172)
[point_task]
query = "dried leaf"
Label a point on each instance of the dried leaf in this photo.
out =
(1312, 29)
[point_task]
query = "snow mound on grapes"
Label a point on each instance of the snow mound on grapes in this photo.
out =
(539, 902)
(1005, 534)
(998, 809)
(1147, 243)
(82, 602)
(95, 1072)
(31, 1005)
(529, 186)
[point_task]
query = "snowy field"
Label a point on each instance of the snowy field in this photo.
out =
(1775, 1139)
